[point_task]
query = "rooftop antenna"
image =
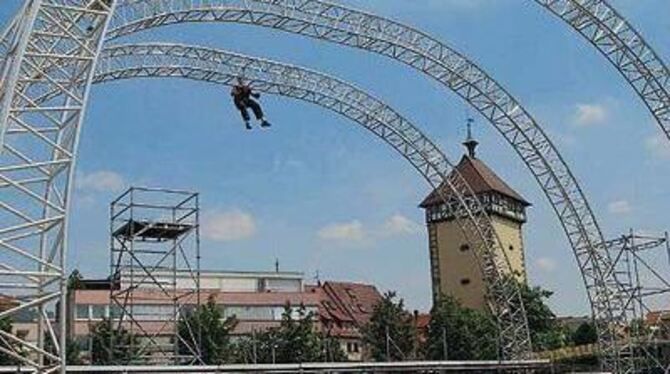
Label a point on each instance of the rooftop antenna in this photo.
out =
(470, 143)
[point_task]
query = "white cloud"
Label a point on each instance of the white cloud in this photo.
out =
(343, 232)
(355, 232)
(228, 226)
(589, 114)
(619, 207)
(100, 181)
(398, 224)
(659, 146)
(546, 264)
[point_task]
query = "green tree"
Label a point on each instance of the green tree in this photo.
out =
(585, 334)
(207, 321)
(73, 355)
(546, 333)
(459, 333)
(295, 340)
(5, 359)
(390, 334)
(331, 350)
(102, 335)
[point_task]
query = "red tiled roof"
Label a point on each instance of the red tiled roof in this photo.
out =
(422, 321)
(7, 302)
(657, 316)
(480, 177)
(350, 302)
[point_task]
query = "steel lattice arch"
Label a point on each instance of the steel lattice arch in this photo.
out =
(333, 23)
(160, 60)
(624, 47)
(221, 67)
(47, 59)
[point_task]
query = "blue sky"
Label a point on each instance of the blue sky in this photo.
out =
(323, 195)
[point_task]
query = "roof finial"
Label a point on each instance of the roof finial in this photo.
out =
(470, 143)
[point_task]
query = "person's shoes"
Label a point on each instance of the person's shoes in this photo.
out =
(247, 125)
(265, 123)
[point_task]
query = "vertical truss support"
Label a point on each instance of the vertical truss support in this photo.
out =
(642, 265)
(155, 273)
(51, 47)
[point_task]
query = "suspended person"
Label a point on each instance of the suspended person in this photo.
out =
(242, 97)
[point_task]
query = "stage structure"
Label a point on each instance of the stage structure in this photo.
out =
(338, 24)
(47, 55)
(222, 67)
(155, 273)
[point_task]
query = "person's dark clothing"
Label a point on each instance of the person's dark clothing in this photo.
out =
(242, 99)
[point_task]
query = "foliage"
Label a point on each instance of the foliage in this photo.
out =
(473, 335)
(5, 359)
(294, 341)
(546, 333)
(390, 334)
(73, 352)
(208, 322)
(585, 334)
(102, 335)
(468, 334)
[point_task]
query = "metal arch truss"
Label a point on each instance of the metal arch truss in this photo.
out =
(333, 23)
(221, 67)
(51, 47)
(624, 47)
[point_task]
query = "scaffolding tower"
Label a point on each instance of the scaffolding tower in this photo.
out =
(155, 275)
(642, 267)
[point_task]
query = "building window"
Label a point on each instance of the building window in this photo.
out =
(115, 311)
(465, 281)
(82, 311)
(465, 248)
(511, 247)
(98, 311)
(355, 347)
(22, 333)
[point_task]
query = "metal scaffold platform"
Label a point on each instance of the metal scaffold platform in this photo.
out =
(155, 268)
(641, 265)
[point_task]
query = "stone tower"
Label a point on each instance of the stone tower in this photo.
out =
(454, 269)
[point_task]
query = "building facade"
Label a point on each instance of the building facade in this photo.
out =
(454, 268)
(256, 299)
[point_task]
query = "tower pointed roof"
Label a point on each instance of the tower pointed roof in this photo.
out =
(478, 175)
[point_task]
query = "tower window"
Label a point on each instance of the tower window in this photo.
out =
(465, 281)
(465, 248)
(511, 247)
